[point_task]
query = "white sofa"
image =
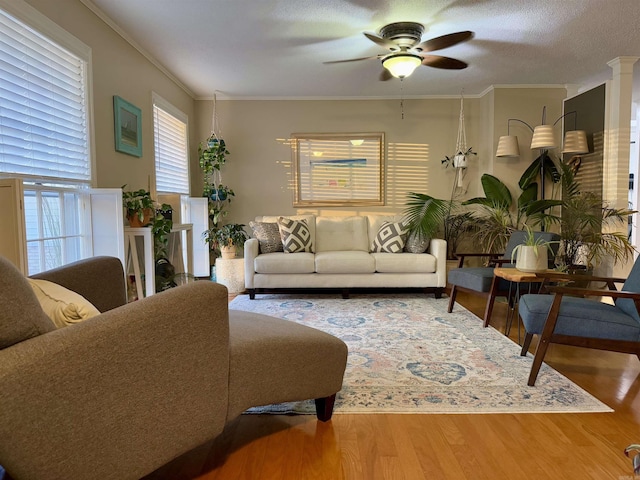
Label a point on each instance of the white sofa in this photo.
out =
(341, 259)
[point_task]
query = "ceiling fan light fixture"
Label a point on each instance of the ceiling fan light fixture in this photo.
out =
(401, 65)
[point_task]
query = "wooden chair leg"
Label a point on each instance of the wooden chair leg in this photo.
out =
(527, 343)
(324, 407)
(452, 298)
(545, 338)
(491, 300)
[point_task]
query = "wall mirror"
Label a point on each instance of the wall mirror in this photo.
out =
(338, 169)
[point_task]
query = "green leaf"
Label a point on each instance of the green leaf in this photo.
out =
(424, 213)
(496, 191)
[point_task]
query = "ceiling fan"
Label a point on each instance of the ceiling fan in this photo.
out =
(403, 40)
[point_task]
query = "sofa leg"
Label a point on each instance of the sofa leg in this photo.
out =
(438, 292)
(345, 293)
(252, 294)
(324, 407)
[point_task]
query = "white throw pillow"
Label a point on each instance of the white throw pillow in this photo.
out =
(63, 306)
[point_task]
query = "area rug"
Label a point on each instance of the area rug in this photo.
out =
(408, 355)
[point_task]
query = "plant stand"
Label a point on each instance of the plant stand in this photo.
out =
(230, 273)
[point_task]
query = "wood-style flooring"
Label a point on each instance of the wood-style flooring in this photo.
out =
(411, 447)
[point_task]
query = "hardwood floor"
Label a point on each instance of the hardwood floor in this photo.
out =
(489, 446)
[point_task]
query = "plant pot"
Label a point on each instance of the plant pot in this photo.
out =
(218, 195)
(460, 161)
(134, 220)
(532, 259)
(228, 252)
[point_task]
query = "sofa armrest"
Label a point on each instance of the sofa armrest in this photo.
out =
(251, 251)
(121, 394)
(100, 280)
(438, 248)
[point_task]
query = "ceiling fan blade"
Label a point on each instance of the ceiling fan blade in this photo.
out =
(444, 41)
(381, 41)
(353, 59)
(436, 61)
(385, 75)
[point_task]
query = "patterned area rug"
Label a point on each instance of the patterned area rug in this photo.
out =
(408, 355)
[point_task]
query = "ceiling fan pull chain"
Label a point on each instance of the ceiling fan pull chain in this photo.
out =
(401, 100)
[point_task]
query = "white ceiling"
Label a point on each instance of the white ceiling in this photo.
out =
(275, 48)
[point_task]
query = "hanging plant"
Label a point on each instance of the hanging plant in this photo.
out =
(459, 160)
(212, 156)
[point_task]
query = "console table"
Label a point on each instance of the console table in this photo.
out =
(149, 264)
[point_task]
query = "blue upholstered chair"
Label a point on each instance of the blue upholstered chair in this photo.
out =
(477, 280)
(583, 322)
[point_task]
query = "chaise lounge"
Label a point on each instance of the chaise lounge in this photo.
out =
(121, 394)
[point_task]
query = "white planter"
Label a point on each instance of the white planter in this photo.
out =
(460, 161)
(532, 258)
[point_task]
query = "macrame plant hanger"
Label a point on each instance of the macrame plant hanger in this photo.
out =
(216, 135)
(460, 159)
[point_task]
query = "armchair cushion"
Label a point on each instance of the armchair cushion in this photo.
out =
(21, 316)
(580, 317)
(475, 278)
(63, 306)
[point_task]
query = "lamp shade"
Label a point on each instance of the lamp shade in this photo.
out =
(401, 65)
(508, 147)
(543, 137)
(575, 141)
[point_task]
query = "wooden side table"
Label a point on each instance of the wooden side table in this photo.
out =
(230, 273)
(514, 276)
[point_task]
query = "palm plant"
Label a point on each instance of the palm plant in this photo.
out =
(584, 217)
(425, 214)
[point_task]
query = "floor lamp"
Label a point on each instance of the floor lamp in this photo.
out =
(544, 139)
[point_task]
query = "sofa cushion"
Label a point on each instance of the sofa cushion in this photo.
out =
(341, 234)
(63, 306)
(21, 317)
(280, 262)
(404, 262)
(268, 235)
(295, 235)
(390, 238)
(345, 262)
(309, 218)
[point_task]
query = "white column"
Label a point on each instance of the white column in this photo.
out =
(617, 132)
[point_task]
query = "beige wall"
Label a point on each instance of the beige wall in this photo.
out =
(258, 167)
(118, 69)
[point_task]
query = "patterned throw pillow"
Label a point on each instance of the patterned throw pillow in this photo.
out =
(295, 235)
(268, 235)
(416, 243)
(390, 238)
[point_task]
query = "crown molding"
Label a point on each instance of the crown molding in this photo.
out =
(114, 26)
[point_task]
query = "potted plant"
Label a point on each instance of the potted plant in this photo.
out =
(139, 207)
(583, 243)
(498, 217)
(227, 238)
(533, 254)
(459, 160)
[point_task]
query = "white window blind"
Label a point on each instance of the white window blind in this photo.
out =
(43, 108)
(171, 148)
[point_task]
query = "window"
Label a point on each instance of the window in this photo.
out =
(44, 125)
(171, 147)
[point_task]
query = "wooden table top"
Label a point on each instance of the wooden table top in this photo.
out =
(515, 275)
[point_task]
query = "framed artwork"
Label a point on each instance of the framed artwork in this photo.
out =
(338, 169)
(128, 127)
